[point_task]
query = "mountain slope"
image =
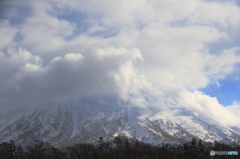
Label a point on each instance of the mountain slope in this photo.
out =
(85, 121)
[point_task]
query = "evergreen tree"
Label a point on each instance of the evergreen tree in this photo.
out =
(125, 148)
(12, 149)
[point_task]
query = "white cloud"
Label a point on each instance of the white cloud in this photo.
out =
(223, 13)
(234, 108)
(175, 57)
(218, 66)
(7, 33)
(208, 106)
(43, 32)
(107, 71)
(12, 62)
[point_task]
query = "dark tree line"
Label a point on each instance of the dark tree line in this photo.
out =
(120, 147)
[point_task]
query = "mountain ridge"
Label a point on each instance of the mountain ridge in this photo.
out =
(85, 121)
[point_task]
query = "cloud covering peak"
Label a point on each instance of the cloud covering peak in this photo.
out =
(158, 53)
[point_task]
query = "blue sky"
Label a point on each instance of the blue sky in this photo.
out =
(176, 53)
(227, 91)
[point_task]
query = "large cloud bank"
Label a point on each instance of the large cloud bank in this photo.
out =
(153, 52)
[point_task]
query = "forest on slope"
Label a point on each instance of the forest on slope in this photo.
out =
(120, 147)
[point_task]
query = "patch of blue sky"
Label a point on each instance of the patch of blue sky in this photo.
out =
(216, 0)
(105, 33)
(219, 47)
(215, 47)
(237, 2)
(80, 19)
(227, 91)
(18, 37)
(224, 44)
(14, 11)
(179, 23)
(84, 22)
(188, 21)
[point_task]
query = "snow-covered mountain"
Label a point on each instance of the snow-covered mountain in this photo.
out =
(86, 120)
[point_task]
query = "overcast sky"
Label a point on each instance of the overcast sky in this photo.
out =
(148, 52)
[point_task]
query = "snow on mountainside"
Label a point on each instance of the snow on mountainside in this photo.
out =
(85, 121)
